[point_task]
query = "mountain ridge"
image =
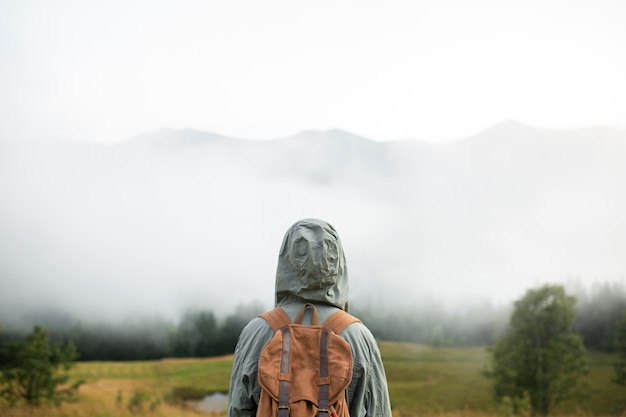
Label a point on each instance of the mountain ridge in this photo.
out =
(506, 128)
(184, 223)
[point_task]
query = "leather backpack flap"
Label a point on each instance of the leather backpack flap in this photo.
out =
(304, 365)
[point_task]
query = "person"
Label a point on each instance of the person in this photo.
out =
(311, 269)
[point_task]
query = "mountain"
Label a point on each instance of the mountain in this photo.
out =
(180, 218)
(173, 139)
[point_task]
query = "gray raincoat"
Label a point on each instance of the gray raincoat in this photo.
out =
(311, 268)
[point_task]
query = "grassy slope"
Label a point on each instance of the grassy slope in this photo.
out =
(422, 381)
(427, 380)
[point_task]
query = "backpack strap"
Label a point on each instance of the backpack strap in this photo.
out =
(324, 383)
(276, 318)
(284, 377)
(339, 320)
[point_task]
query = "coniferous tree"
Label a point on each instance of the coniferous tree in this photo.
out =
(33, 370)
(620, 365)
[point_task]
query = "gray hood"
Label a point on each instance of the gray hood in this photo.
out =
(312, 266)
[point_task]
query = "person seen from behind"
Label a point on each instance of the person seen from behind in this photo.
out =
(311, 286)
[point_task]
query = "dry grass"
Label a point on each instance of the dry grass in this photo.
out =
(423, 382)
(125, 389)
(186, 361)
(95, 410)
(111, 397)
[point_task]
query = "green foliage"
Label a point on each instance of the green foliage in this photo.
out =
(620, 365)
(179, 395)
(518, 406)
(137, 401)
(34, 371)
(200, 335)
(539, 355)
(599, 311)
(196, 335)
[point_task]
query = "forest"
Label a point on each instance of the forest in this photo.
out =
(204, 333)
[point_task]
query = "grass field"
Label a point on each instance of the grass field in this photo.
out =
(423, 381)
(428, 381)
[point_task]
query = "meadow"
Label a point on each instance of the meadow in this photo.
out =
(423, 381)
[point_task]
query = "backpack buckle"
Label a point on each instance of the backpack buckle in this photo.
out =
(283, 410)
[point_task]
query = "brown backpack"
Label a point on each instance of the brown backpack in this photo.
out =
(304, 370)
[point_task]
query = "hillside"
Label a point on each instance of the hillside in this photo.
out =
(180, 218)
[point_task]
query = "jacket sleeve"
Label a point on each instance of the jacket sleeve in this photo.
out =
(367, 394)
(245, 391)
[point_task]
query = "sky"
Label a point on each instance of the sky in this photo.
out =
(426, 70)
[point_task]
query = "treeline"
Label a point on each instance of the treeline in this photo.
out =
(429, 323)
(599, 310)
(198, 334)
(598, 313)
(202, 333)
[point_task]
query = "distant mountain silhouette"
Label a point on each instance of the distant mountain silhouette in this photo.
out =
(179, 217)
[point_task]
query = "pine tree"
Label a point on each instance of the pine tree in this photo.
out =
(34, 370)
(620, 365)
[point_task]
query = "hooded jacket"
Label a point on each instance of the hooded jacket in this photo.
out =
(311, 269)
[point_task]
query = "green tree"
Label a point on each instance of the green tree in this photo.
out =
(539, 356)
(197, 335)
(35, 371)
(620, 365)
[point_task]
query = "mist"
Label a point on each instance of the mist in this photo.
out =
(180, 219)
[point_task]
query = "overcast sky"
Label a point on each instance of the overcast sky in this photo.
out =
(431, 70)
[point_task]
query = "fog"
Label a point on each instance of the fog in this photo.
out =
(180, 219)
